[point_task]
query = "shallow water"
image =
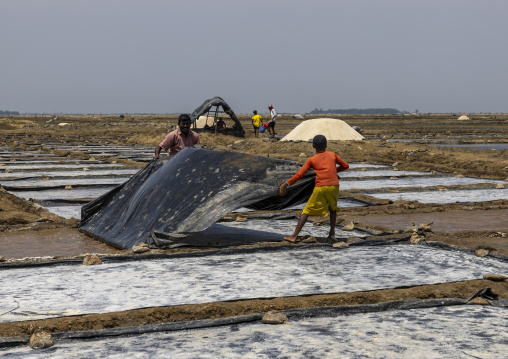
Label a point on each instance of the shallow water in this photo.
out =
(448, 222)
(66, 242)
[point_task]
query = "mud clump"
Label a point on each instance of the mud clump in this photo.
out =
(274, 317)
(91, 259)
(40, 340)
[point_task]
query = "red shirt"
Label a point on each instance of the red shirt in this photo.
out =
(176, 141)
(324, 164)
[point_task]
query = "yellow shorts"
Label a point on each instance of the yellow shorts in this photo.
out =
(322, 200)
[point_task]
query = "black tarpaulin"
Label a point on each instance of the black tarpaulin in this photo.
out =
(218, 101)
(188, 193)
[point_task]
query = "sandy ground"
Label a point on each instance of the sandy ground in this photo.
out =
(471, 225)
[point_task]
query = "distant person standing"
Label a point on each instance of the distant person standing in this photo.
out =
(273, 119)
(256, 123)
(178, 139)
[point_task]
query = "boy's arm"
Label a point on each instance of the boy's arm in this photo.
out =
(283, 187)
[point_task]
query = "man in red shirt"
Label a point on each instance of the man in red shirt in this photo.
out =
(326, 190)
(177, 140)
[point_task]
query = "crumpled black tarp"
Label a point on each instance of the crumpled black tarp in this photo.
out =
(188, 193)
(218, 101)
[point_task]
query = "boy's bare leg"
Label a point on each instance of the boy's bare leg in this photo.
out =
(333, 219)
(299, 226)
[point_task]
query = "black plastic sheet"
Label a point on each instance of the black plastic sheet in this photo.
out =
(188, 193)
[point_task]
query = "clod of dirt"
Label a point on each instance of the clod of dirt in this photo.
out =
(340, 245)
(91, 259)
(348, 226)
(140, 249)
(425, 227)
(416, 238)
(413, 228)
(495, 277)
(41, 340)
(3, 259)
(274, 317)
(481, 252)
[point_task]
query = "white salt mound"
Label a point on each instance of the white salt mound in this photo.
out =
(331, 128)
(463, 117)
(201, 121)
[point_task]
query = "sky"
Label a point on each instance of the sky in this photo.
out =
(168, 56)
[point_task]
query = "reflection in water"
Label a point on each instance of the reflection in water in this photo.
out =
(55, 243)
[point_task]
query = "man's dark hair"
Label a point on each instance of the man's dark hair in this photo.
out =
(255, 112)
(183, 117)
(319, 142)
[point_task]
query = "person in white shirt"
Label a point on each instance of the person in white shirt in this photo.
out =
(273, 119)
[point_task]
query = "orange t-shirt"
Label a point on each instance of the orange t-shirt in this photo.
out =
(324, 164)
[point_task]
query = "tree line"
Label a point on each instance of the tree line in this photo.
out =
(9, 112)
(356, 111)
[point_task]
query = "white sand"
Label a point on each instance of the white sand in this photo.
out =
(332, 129)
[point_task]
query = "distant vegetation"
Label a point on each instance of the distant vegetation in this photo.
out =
(9, 112)
(361, 111)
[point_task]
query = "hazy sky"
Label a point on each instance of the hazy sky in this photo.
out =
(168, 56)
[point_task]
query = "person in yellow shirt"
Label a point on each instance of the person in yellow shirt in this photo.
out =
(256, 123)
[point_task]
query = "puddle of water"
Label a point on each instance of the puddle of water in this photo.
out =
(50, 243)
(438, 197)
(447, 222)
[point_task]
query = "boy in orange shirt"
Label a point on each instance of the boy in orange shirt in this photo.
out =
(326, 190)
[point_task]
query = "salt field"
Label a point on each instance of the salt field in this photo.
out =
(450, 332)
(226, 275)
(62, 290)
(91, 179)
